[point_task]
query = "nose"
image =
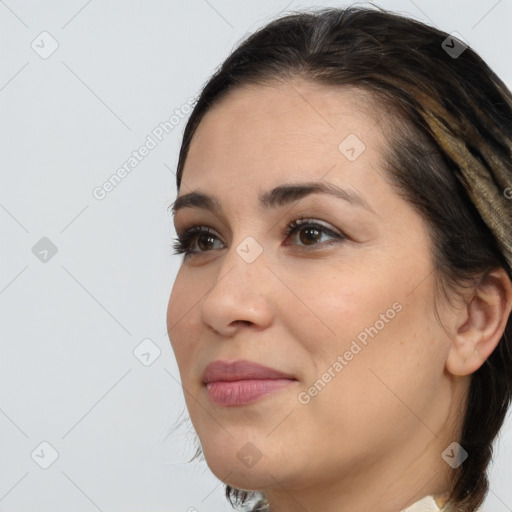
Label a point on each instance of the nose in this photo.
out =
(240, 294)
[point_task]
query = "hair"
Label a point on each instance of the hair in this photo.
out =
(419, 87)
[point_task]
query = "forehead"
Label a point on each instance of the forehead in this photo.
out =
(286, 129)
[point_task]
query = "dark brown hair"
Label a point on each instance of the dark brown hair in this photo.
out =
(407, 68)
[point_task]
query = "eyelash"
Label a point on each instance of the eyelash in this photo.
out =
(183, 243)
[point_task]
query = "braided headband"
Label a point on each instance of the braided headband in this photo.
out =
(486, 181)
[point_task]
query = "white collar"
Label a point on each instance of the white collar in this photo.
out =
(426, 504)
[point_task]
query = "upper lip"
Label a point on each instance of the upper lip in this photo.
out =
(241, 369)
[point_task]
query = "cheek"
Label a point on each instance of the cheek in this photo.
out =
(390, 345)
(344, 306)
(186, 293)
(181, 326)
(175, 305)
(374, 322)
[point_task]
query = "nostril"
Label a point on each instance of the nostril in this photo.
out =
(246, 322)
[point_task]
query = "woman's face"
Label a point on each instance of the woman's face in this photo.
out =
(343, 305)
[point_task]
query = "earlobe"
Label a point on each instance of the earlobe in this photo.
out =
(481, 324)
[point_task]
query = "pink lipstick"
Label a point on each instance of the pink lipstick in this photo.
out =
(242, 382)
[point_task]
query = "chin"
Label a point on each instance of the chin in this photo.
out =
(248, 479)
(244, 468)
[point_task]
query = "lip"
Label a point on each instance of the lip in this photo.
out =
(241, 369)
(241, 382)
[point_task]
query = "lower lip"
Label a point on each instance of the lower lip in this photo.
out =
(242, 392)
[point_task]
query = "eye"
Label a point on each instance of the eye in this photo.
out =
(309, 233)
(203, 235)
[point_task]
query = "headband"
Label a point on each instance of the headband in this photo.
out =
(486, 180)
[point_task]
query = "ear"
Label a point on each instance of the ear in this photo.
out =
(480, 323)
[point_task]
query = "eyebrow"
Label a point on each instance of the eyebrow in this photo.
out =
(277, 197)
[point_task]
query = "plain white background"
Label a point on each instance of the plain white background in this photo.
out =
(71, 374)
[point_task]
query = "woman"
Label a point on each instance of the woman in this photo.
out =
(341, 318)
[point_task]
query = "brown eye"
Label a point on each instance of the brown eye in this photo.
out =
(203, 236)
(201, 239)
(310, 233)
(205, 241)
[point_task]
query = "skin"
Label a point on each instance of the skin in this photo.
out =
(372, 438)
